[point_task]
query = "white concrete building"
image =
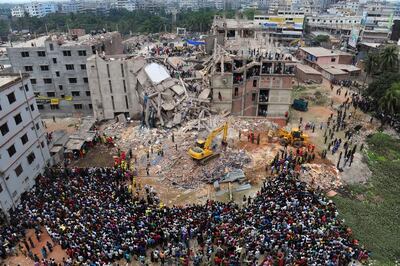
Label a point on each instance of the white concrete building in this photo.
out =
(129, 5)
(70, 7)
(18, 11)
(23, 148)
(34, 9)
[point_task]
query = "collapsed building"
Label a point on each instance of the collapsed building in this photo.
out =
(143, 89)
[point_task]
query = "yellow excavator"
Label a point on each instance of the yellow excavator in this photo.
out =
(296, 138)
(203, 152)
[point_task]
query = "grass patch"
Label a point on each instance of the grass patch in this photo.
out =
(373, 210)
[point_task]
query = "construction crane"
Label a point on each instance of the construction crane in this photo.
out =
(203, 152)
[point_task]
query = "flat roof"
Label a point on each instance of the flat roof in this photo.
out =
(7, 80)
(308, 70)
(156, 72)
(37, 42)
(344, 67)
(319, 51)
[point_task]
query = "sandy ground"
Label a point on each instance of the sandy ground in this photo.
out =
(67, 124)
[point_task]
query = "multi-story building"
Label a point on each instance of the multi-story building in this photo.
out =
(34, 9)
(113, 86)
(23, 147)
(70, 7)
(57, 68)
(129, 5)
(336, 25)
(253, 87)
(18, 11)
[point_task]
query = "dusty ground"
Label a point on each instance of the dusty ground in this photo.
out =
(98, 156)
(319, 112)
(68, 124)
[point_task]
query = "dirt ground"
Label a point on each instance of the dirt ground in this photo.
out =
(68, 124)
(97, 156)
(317, 113)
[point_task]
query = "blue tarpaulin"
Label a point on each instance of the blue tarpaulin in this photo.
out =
(193, 42)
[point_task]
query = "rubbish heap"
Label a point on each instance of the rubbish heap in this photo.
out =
(321, 175)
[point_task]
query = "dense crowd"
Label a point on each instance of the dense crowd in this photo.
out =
(97, 220)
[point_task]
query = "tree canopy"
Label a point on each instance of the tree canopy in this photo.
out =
(122, 20)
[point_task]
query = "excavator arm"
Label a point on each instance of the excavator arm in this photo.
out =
(216, 132)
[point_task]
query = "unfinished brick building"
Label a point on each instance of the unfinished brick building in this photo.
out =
(253, 86)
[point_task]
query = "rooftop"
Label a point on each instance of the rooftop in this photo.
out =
(320, 51)
(9, 79)
(307, 69)
(66, 40)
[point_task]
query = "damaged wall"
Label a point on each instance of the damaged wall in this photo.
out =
(113, 86)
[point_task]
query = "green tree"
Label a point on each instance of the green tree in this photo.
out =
(377, 88)
(390, 102)
(4, 28)
(389, 59)
(371, 65)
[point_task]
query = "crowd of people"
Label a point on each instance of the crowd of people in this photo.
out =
(94, 217)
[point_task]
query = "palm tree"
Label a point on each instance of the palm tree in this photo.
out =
(371, 64)
(390, 102)
(389, 58)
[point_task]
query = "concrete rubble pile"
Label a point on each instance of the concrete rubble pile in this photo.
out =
(321, 175)
(167, 102)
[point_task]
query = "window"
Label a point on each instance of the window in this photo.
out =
(75, 93)
(333, 59)
(18, 119)
(126, 102)
(66, 53)
(124, 85)
(87, 93)
(62, 96)
(37, 126)
(24, 139)
(253, 96)
(54, 60)
(112, 101)
(18, 170)
(78, 106)
(236, 93)
(51, 46)
(57, 73)
(60, 87)
(1, 188)
(122, 70)
(11, 97)
(4, 129)
(85, 80)
(32, 107)
(90, 106)
(28, 68)
(255, 83)
(47, 81)
(82, 53)
(31, 157)
(40, 107)
(51, 94)
(72, 80)
(41, 53)
(26, 87)
(42, 144)
(108, 70)
(109, 83)
(83, 67)
(25, 54)
(69, 67)
(44, 68)
(11, 150)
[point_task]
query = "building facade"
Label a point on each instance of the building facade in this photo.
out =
(113, 86)
(34, 9)
(23, 146)
(57, 69)
(248, 87)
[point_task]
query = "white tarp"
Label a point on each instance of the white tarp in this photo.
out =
(156, 73)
